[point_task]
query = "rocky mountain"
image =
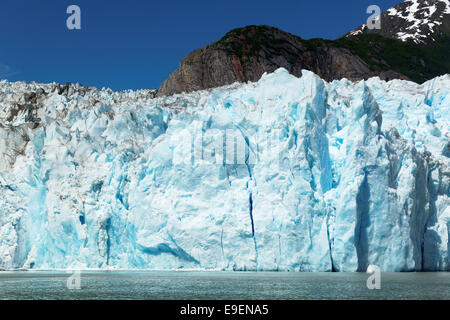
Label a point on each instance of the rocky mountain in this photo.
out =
(245, 54)
(420, 21)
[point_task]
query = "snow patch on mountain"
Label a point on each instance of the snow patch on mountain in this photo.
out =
(415, 20)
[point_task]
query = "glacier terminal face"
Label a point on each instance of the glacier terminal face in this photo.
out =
(287, 174)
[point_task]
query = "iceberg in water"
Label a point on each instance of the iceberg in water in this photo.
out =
(284, 174)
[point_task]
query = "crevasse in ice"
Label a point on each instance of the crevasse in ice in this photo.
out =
(284, 174)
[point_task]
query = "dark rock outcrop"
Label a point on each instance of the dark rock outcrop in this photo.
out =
(245, 54)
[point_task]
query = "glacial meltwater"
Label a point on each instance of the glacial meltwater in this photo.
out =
(221, 285)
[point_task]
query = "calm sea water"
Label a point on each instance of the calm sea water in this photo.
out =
(222, 285)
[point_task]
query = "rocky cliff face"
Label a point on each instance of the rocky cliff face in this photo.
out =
(413, 44)
(246, 54)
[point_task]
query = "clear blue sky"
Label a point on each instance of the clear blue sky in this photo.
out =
(138, 43)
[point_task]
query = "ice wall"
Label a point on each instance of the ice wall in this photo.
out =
(283, 174)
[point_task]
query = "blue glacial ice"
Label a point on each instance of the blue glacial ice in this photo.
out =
(283, 174)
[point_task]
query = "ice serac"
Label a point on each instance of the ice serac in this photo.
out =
(283, 174)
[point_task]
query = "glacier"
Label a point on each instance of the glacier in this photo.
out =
(285, 174)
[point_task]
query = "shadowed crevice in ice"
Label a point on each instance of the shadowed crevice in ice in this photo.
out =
(165, 248)
(431, 257)
(420, 211)
(108, 239)
(362, 223)
(330, 243)
(250, 207)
